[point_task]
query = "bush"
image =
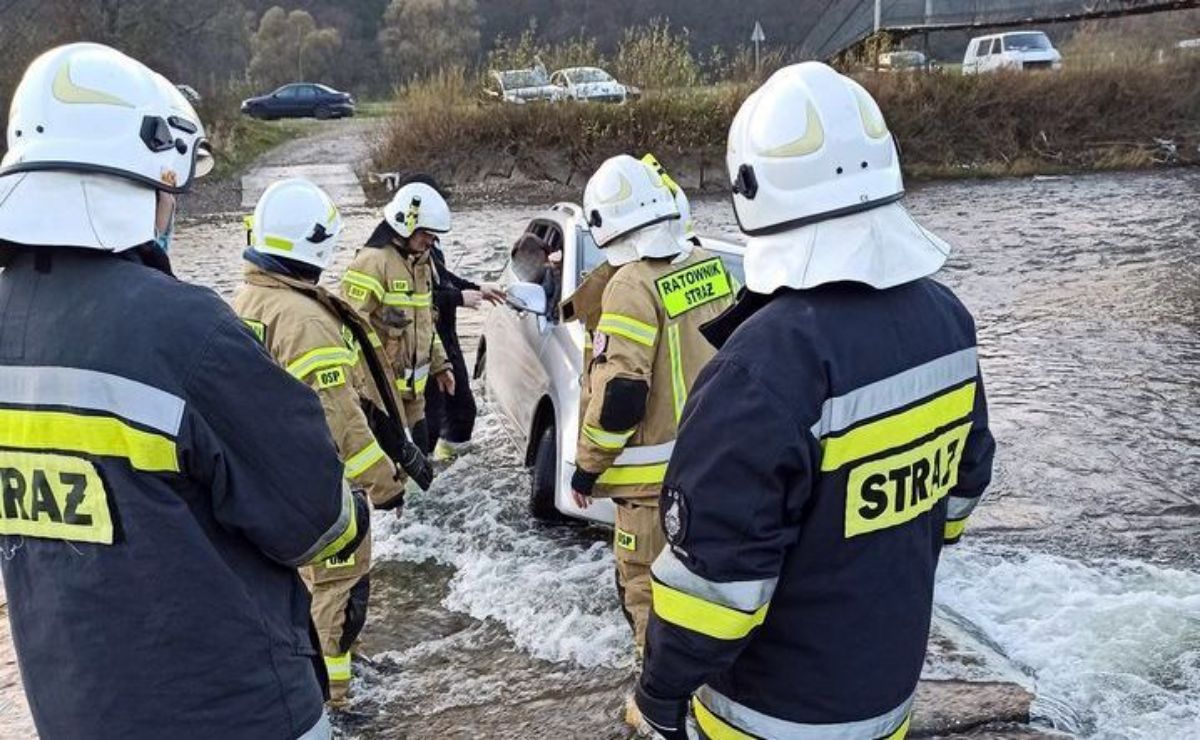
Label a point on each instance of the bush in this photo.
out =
(655, 56)
(946, 124)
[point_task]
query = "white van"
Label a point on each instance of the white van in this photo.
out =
(1020, 50)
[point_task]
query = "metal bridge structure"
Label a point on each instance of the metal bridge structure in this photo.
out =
(844, 23)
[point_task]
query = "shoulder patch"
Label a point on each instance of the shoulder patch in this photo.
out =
(674, 516)
(331, 378)
(399, 286)
(693, 286)
(356, 292)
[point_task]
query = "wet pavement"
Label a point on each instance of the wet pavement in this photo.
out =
(1077, 579)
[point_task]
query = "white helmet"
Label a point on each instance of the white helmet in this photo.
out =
(686, 226)
(623, 196)
(297, 220)
(417, 206)
(816, 183)
(92, 135)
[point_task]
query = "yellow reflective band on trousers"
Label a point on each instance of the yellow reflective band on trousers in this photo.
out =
(605, 439)
(954, 530)
(678, 384)
(320, 359)
(408, 300)
(898, 429)
(361, 461)
(365, 282)
(50, 496)
(633, 475)
(623, 326)
(103, 436)
(338, 667)
(347, 535)
(695, 614)
(714, 727)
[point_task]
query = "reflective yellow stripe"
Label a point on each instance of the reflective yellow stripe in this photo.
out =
(404, 385)
(624, 326)
(362, 460)
(633, 475)
(408, 300)
(348, 534)
(901, 731)
(91, 435)
(607, 440)
(376, 342)
(319, 359)
(702, 616)
(275, 242)
(898, 429)
(364, 281)
(713, 726)
(954, 530)
(338, 667)
(677, 383)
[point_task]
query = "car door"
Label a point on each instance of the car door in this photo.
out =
(517, 380)
(306, 100)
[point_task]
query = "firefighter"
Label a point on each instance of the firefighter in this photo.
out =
(642, 311)
(163, 478)
(320, 341)
(837, 441)
(391, 281)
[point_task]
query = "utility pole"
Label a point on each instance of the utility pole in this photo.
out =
(878, 24)
(300, 53)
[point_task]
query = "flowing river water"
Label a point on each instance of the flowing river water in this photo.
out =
(1079, 577)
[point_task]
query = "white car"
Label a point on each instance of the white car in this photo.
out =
(1021, 50)
(532, 362)
(522, 86)
(591, 84)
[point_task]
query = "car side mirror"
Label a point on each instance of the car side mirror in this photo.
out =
(527, 297)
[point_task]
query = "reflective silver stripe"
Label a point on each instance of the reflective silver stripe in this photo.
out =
(897, 391)
(89, 389)
(745, 596)
(419, 374)
(960, 507)
(762, 725)
(646, 455)
(331, 534)
(322, 730)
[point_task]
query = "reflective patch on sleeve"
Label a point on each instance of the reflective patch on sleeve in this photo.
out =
(399, 286)
(896, 489)
(336, 562)
(259, 329)
(693, 287)
(626, 540)
(56, 497)
(357, 293)
(331, 378)
(698, 615)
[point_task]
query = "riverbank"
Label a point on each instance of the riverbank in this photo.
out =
(949, 126)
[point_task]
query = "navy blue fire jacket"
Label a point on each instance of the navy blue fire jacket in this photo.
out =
(160, 480)
(836, 441)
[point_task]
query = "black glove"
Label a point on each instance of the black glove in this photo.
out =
(668, 717)
(414, 462)
(399, 447)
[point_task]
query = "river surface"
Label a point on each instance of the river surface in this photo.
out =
(1078, 577)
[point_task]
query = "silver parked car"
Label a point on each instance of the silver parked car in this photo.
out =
(532, 362)
(592, 85)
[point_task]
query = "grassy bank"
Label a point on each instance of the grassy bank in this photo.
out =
(947, 125)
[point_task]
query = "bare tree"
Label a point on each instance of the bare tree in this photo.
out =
(421, 36)
(288, 47)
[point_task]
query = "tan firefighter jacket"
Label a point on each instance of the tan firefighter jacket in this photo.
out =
(395, 293)
(310, 340)
(645, 353)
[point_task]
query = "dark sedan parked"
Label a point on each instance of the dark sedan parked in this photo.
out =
(300, 100)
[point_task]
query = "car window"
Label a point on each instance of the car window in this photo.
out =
(590, 257)
(997, 46)
(306, 92)
(287, 93)
(733, 263)
(1027, 42)
(982, 48)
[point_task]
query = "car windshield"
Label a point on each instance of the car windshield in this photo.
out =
(1027, 42)
(907, 58)
(586, 75)
(517, 78)
(591, 257)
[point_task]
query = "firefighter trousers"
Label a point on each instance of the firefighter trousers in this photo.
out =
(638, 541)
(340, 591)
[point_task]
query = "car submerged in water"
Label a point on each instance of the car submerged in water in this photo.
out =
(532, 362)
